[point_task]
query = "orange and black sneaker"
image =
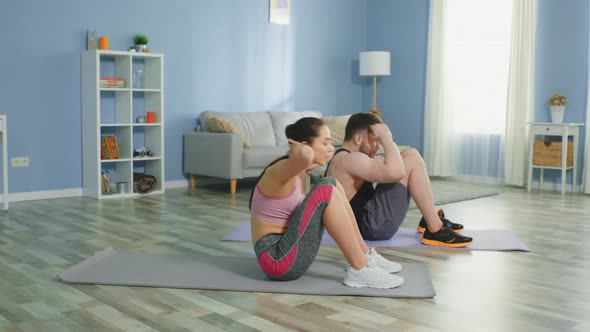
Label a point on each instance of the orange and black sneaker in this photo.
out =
(445, 238)
(457, 228)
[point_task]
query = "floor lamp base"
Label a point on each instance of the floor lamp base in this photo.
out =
(377, 112)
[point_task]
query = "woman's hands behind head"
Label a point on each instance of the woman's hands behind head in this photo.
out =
(300, 158)
(300, 151)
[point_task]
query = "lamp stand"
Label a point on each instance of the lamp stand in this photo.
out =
(375, 110)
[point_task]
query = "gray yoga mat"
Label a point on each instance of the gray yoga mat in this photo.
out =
(483, 239)
(232, 273)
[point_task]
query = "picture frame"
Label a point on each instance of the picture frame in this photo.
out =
(280, 11)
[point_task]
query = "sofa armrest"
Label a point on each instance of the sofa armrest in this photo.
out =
(213, 154)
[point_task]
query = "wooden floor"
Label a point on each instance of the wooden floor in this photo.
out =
(547, 289)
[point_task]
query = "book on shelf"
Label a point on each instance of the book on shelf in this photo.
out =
(110, 147)
(116, 147)
(113, 146)
(111, 82)
(104, 147)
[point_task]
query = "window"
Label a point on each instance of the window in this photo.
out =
(476, 62)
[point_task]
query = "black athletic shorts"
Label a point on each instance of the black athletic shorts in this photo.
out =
(384, 212)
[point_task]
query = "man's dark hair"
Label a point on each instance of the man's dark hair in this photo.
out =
(359, 121)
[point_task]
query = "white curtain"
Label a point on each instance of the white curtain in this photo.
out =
(466, 88)
(439, 150)
(520, 90)
(586, 176)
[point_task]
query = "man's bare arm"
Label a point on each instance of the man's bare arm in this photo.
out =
(378, 170)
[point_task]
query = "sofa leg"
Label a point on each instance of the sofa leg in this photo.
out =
(232, 186)
(193, 182)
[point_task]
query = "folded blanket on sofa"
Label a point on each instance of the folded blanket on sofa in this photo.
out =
(144, 183)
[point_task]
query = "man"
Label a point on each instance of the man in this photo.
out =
(380, 209)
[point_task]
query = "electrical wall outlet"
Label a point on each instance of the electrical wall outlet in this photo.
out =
(19, 162)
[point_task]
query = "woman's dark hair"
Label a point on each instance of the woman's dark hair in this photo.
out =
(303, 130)
(359, 121)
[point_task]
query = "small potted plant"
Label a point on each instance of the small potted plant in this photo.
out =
(140, 41)
(557, 104)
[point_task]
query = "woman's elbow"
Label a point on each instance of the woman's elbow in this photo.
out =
(307, 155)
(304, 155)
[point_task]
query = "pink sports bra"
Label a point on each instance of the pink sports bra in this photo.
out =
(276, 210)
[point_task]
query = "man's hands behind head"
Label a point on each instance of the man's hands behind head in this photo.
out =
(381, 132)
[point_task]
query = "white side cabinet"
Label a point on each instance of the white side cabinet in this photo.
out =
(114, 112)
(563, 130)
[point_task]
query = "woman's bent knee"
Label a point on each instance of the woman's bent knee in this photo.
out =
(327, 181)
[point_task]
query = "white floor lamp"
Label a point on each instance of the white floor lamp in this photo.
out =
(376, 63)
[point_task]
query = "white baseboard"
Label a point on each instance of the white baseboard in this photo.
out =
(47, 194)
(74, 192)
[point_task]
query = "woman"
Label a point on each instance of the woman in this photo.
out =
(287, 225)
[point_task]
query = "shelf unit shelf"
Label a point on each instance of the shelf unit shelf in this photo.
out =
(112, 112)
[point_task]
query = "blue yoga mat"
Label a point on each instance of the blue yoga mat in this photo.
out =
(483, 239)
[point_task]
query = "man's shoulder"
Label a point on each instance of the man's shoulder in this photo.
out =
(345, 154)
(342, 158)
(348, 164)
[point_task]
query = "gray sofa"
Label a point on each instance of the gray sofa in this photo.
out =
(223, 155)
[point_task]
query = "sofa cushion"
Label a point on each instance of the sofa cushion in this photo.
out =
(280, 121)
(221, 125)
(261, 156)
(337, 125)
(256, 126)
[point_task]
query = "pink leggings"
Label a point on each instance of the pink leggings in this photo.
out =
(287, 256)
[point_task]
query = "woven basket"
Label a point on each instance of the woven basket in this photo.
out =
(548, 153)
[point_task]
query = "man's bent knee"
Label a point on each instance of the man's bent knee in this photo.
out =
(411, 152)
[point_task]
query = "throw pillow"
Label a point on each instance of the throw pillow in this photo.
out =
(337, 125)
(221, 125)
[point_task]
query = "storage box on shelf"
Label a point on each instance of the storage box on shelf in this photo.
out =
(548, 153)
(112, 112)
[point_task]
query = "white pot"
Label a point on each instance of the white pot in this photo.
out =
(557, 114)
(140, 47)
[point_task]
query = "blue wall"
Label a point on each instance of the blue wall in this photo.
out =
(224, 55)
(562, 65)
(219, 55)
(401, 27)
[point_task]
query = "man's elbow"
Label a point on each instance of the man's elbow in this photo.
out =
(396, 175)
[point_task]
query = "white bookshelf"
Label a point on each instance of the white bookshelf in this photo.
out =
(113, 112)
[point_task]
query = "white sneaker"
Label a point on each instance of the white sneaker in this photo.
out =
(372, 276)
(383, 262)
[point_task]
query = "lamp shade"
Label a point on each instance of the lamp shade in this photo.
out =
(374, 63)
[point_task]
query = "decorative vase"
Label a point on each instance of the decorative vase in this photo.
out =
(140, 47)
(557, 113)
